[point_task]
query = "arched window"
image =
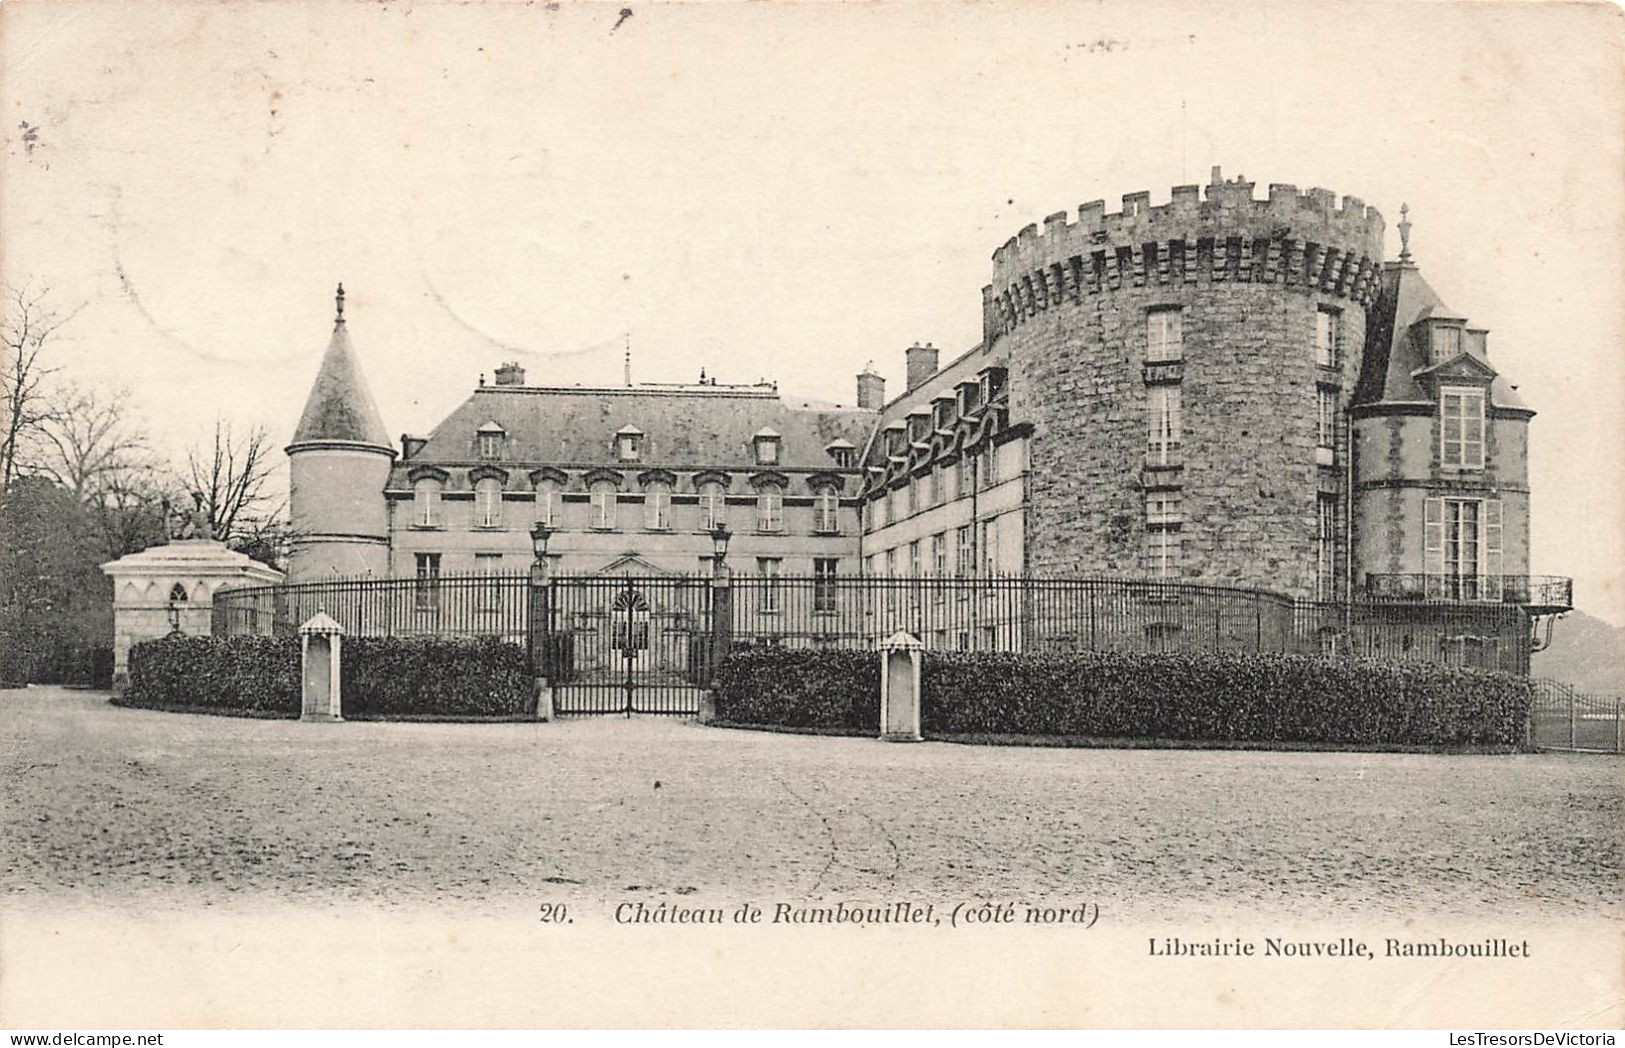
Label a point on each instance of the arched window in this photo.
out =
(713, 508)
(488, 503)
(826, 516)
(177, 593)
(426, 503)
(657, 505)
(603, 504)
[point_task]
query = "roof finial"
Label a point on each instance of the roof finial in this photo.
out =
(339, 300)
(1404, 233)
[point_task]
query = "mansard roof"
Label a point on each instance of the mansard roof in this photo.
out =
(683, 427)
(1395, 362)
(340, 406)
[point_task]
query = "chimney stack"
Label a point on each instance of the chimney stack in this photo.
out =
(922, 364)
(511, 374)
(871, 388)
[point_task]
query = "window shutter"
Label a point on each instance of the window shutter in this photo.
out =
(1433, 547)
(1492, 549)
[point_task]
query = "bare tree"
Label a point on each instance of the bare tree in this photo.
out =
(88, 439)
(25, 331)
(227, 480)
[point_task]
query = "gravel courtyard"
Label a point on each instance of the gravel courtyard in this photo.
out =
(145, 809)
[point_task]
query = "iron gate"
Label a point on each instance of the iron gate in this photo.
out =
(629, 644)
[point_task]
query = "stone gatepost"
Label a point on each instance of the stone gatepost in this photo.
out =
(900, 687)
(320, 640)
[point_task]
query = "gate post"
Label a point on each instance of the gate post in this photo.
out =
(722, 619)
(319, 686)
(541, 616)
(900, 688)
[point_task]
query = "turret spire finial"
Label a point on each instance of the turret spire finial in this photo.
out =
(339, 301)
(1404, 233)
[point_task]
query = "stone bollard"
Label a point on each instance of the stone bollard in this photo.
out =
(900, 687)
(319, 643)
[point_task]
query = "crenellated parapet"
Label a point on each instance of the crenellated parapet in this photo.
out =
(1298, 240)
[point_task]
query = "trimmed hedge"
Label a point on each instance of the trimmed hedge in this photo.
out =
(800, 688)
(382, 676)
(432, 676)
(256, 675)
(1200, 696)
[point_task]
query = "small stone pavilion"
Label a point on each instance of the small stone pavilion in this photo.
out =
(170, 588)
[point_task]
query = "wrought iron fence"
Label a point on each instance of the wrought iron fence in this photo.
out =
(448, 606)
(1016, 613)
(1564, 718)
(1534, 591)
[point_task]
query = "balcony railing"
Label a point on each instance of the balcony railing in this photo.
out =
(1546, 593)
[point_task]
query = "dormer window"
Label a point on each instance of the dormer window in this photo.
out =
(628, 444)
(969, 397)
(944, 417)
(1461, 427)
(490, 440)
(842, 453)
(1446, 342)
(766, 445)
(919, 425)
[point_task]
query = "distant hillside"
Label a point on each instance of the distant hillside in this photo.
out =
(1586, 652)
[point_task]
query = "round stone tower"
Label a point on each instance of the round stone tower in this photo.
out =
(1177, 363)
(339, 463)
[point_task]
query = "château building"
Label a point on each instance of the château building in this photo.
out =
(1220, 389)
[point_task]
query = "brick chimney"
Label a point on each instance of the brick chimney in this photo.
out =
(922, 364)
(511, 374)
(871, 388)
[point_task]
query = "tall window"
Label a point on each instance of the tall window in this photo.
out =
(914, 559)
(1326, 431)
(657, 506)
(1162, 552)
(1162, 521)
(950, 481)
(603, 505)
(1461, 428)
(1463, 541)
(770, 510)
(768, 569)
(880, 511)
(1327, 323)
(894, 504)
(1326, 547)
(713, 511)
(965, 559)
(426, 593)
(933, 488)
(824, 583)
(990, 466)
(990, 547)
(490, 592)
(547, 503)
(913, 488)
(891, 563)
(488, 503)
(826, 507)
(939, 554)
(1164, 336)
(426, 503)
(1162, 447)
(1446, 342)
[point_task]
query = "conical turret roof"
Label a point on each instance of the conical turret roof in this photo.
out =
(340, 406)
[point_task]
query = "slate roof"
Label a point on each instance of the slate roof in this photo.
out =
(340, 406)
(1393, 359)
(964, 368)
(684, 428)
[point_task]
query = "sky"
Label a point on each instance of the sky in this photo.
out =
(772, 190)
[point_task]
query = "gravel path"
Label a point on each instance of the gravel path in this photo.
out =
(141, 809)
